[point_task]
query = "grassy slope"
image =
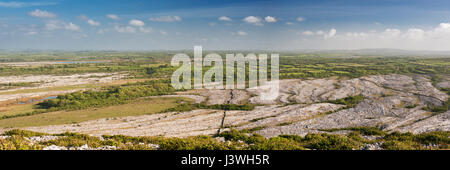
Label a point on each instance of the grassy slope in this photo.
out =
(142, 107)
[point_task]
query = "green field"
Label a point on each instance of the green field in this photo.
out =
(140, 107)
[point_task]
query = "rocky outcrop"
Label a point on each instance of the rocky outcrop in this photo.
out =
(391, 102)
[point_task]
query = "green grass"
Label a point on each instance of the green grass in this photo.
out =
(140, 107)
(17, 109)
(363, 130)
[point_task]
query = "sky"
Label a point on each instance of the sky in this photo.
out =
(224, 24)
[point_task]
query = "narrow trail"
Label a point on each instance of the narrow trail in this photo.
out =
(225, 112)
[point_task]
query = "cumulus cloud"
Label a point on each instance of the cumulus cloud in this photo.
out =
(436, 38)
(166, 19)
(415, 34)
(137, 23)
(126, 29)
(53, 25)
(89, 21)
(134, 26)
(93, 23)
(300, 19)
(224, 18)
(112, 16)
(41, 14)
(270, 19)
(72, 27)
(56, 25)
(389, 33)
(253, 20)
(331, 33)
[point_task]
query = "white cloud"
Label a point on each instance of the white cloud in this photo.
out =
(56, 25)
(270, 19)
(93, 23)
(331, 33)
(240, 33)
(72, 27)
(112, 16)
(15, 4)
(41, 14)
(308, 33)
(212, 24)
(32, 33)
(89, 21)
(137, 23)
(390, 33)
(415, 34)
(162, 32)
(253, 20)
(225, 18)
(166, 19)
(145, 30)
(53, 25)
(436, 38)
(126, 29)
(300, 19)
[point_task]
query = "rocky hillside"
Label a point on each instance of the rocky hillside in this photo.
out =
(405, 103)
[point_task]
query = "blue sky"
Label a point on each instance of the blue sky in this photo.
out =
(224, 24)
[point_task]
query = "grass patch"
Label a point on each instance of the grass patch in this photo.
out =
(371, 131)
(350, 101)
(439, 109)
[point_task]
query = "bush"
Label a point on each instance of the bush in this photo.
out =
(399, 145)
(330, 142)
(397, 136)
(76, 140)
(350, 101)
(193, 143)
(277, 143)
(23, 133)
(234, 135)
(438, 137)
(17, 143)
